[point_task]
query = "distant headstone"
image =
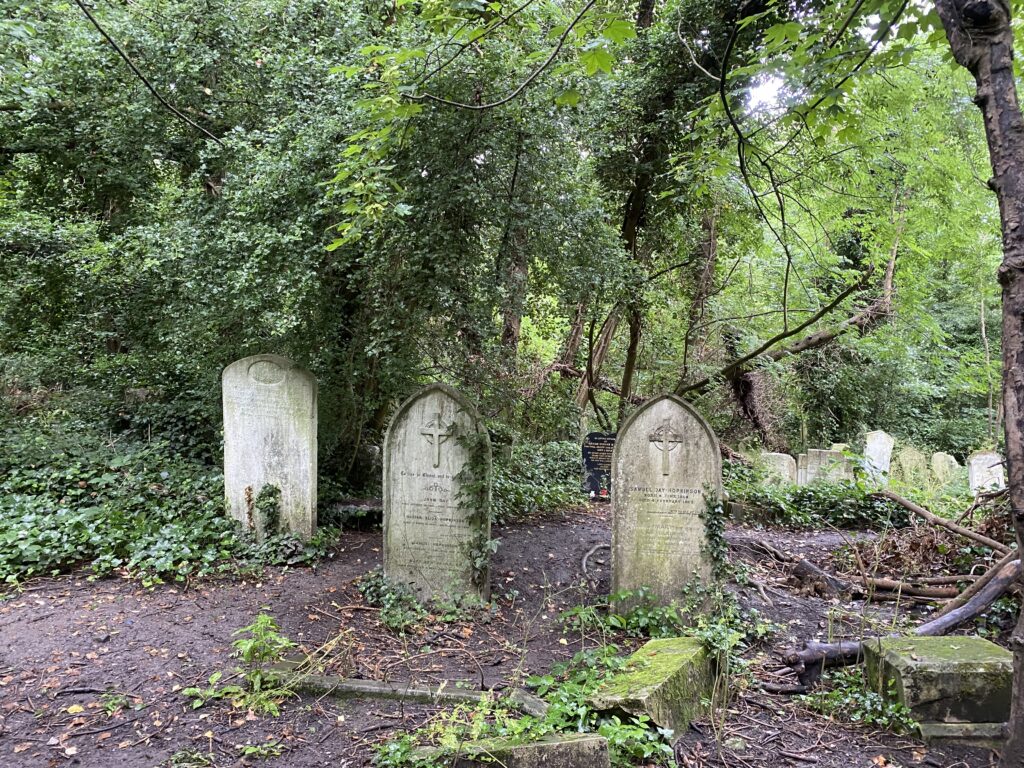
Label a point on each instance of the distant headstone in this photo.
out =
(878, 447)
(597, 463)
(270, 415)
(801, 469)
(665, 459)
(781, 467)
(830, 466)
(944, 466)
(985, 471)
(434, 534)
(912, 466)
(839, 447)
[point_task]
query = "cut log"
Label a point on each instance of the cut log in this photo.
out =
(978, 585)
(817, 580)
(942, 522)
(907, 589)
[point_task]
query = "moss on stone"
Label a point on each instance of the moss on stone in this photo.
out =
(667, 680)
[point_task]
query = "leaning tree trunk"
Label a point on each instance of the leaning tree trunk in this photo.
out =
(981, 38)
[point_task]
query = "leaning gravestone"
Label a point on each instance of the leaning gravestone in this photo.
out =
(665, 459)
(597, 464)
(780, 467)
(985, 471)
(436, 527)
(270, 416)
(878, 447)
(944, 466)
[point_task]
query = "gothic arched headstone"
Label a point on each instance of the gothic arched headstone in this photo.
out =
(437, 496)
(666, 460)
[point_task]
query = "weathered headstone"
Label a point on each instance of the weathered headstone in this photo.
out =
(829, 466)
(985, 471)
(665, 460)
(597, 463)
(270, 415)
(801, 469)
(839, 447)
(878, 447)
(437, 461)
(781, 467)
(912, 466)
(944, 466)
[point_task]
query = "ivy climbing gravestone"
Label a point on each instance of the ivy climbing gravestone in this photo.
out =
(666, 460)
(270, 445)
(437, 492)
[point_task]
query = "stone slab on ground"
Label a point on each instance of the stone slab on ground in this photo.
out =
(665, 680)
(965, 680)
(988, 735)
(577, 750)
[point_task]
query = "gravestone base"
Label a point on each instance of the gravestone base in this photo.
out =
(961, 681)
(582, 750)
(988, 735)
(665, 680)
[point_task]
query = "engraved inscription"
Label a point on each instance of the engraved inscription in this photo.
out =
(666, 440)
(266, 372)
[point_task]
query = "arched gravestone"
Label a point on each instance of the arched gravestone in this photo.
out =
(432, 532)
(665, 457)
(270, 416)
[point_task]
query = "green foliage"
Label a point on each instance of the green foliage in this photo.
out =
(715, 547)
(536, 477)
(566, 689)
(710, 613)
(399, 608)
(138, 509)
(846, 696)
(847, 504)
(261, 693)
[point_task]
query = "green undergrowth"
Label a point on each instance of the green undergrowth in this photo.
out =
(137, 509)
(529, 477)
(846, 696)
(402, 612)
(566, 688)
(845, 504)
(709, 613)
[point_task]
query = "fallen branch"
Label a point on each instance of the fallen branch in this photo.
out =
(815, 656)
(907, 589)
(977, 586)
(949, 525)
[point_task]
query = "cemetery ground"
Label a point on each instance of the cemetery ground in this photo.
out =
(93, 673)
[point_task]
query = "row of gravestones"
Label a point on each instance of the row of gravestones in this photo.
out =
(666, 469)
(985, 468)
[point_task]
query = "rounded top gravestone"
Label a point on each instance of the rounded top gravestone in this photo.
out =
(435, 527)
(666, 460)
(270, 424)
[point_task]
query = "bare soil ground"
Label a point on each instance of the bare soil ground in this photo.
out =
(69, 648)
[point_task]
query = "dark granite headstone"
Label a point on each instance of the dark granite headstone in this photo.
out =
(597, 464)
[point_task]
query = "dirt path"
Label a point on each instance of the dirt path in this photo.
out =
(91, 672)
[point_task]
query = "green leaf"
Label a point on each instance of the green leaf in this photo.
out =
(569, 98)
(597, 59)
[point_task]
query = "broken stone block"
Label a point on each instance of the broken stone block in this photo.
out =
(578, 750)
(965, 680)
(667, 680)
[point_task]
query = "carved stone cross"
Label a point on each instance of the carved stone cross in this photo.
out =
(665, 440)
(436, 433)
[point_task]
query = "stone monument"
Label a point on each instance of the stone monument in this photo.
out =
(878, 447)
(781, 467)
(985, 471)
(270, 442)
(436, 512)
(665, 460)
(944, 466)
(597, 464)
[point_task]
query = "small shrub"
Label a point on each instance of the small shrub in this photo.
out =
(846, 696)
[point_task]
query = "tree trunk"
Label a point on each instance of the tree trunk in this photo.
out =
(626, 391)
(981, 38)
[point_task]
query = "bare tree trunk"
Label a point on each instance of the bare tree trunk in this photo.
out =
(980, 36)
(635, 328)
(596, 357)
(705, 282)
(571, 348)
